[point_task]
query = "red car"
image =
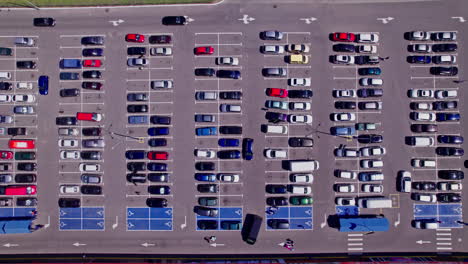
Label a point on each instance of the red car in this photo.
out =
(158, 155)
(21, 144)
(135, 38)
(277, 92)
(6, 155)
(92, 63)
(20, 190)
(203, 50)
(343, 37)
(95, 117)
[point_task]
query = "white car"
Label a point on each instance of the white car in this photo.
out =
(342, 59)
(5, 98)
(449, 186)
(71, 143)
(421, 106)
(298, 48)
(69, 189)
(444, 59)
(370, 82)
(90, 167)
(24, 85)
(444, 36)
(205, 153)
(28, 98)
(367, 49)
(423, 116)
(420, 93)
(423, 163)
(370, 105)
(425, 223)
(162, 84)
(300, 119)
(419, 35)
(227, 61)
(137, 62)
(346, 174)
(69, 154)
(343, 117)
(161, 51)
(344, 187)
(302, 177)
(371, 163)
(228, 177)
(445, 94)
(367, 38)
(420, 48)
(372, 188)
(304, 82)
(424, 197)
(23, 109)
(345, 201)
(66, 131)
(276, 153)
(272, 49)
(372, 151)
(344, 93)
(303, 106)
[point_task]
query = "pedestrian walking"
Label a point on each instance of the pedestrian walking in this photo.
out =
(207, 239)
(459, 81)
(386, 58)
(463, 223)
(212, 238)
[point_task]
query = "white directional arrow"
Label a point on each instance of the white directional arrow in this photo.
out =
(184, 225)
(216, 245)
(146, 244)
(238, 212)
(48, 222)
(189, 19)
(10, 245)
(168, 212)
(324, 223)
(385, 20)
(130, 225)
(423, 242)
(246, 19)
(309, 20)
(130, 213)
(397, 222)
(114, 226)
(459, 18)
(116, 22)
(77, 244)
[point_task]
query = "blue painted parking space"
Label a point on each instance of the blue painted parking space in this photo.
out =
(149, 219)
(225, 214)
(82, 218)
(447, 214)
(300, 217)
(347, 210)
(17, 212)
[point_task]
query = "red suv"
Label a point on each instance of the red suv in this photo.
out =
(95, 117)
(343, 37)
(135, 38)
(158, 155)
(277, 92)
(92, 63)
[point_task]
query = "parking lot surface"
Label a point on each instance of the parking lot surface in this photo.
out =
(153, 135)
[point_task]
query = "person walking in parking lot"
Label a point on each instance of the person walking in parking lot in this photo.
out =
(463, 223)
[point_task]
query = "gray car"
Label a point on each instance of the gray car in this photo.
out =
(6, 178)
(93, 143)
(91, 178)
(206, 211)
(23, 109)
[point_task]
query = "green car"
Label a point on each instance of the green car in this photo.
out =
(5, 52)
(25, 155)
(208, 201)
(366, 126)
(300, 200)
(231, 225)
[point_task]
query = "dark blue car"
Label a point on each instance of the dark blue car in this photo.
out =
(229, 154)
(158, 131)
(449, 139)
(275, 188)
(443, 117)
(153, 166)
(208, 177)
(228, 74)
(43, 84)
(228, 142)
(247, 148)
(419, 59)
(92, 52)
(157, 142)
(135, 154)
(369, 71)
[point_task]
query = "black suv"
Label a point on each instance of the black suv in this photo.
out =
(95, 40)
(44, 22)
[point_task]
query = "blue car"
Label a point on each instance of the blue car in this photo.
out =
(138, 119)
(153, 166)
(449, 139)
(43, 84)
(443, 117)
(207, 177)
(228, 142)
(343, 131)
(205, 131)
(247, 148)
(369, 71)
(135, 154)
(419, 59)
(158, 131)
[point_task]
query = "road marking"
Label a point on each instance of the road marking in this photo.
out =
(246, 19)
(385, 20)
(443, 238)
(116, 22)
(308, 20)
(355, 248)
(355, 244)
(461, 19)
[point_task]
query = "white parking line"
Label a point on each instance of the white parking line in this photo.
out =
(434, 77)
(216, 44)
(220, 33)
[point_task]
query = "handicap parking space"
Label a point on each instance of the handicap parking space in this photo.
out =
(299, 217)
(149, 219)
(82, 219)
(447, 214)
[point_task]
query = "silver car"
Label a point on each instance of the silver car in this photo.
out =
(24, 110)
(93, 143)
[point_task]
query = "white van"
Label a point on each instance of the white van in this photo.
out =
(5, 75)
(274, 129)
(24, 85)
(24, 41)
(299, 189)
(374, 202)
(301, 177)
(420, 141)
(302, 165)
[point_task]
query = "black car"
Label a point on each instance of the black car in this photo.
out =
(369, 71)
(275, 117)
(136, 178)
(136, 166)
(424, 186)
(91, 85)
(66, 121)
(208, 201)
(95, 40)
(229, 74)
(137, 108)
(277, 201)
(230, 95)
(92, 74)
(25, 178)
(344, 48)
(247, 148)
(449, 151)
(5, 86)
(275, 188)
(16, 131)
(26, 201)
(204, 118)
(156, 166)
(207, 188)
(424, 128)
(448, 197)
(91, 155)
(445, 71)
(91, 189)
(205, 166)
(205, 72)
(26, 65)
(160, 39)
(160, 120)
(207, 224)
(230, 130)
(444, 47)
(369, 92)
(44, 22)
(444, 105)
(159, 189)
(451, 174)
(345, 105)
(298, 142)
(370, 138)
(278, 223)
(306, 94)
(69, 202)
(72, 92)
(157, 142)
(69, 76)
(136, 51)
(174, 20)
(26, 166)
(158, 177)
(156, 202)
(137, 97)
(362, 60)
(94, 52)
(229, 154)
(91, 131)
